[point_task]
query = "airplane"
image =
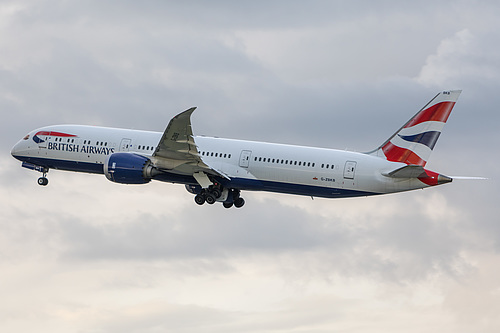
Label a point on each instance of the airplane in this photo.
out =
(217, 169)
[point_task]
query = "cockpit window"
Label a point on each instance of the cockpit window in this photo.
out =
(26, 137)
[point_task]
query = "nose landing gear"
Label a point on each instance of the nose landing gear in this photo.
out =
(43, 181)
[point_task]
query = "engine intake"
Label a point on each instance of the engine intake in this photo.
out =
(129, 168)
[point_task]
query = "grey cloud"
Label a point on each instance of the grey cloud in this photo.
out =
(401, 248)
(324, 74)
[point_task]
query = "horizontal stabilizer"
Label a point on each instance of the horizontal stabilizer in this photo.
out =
(408, 171)
(417, 171)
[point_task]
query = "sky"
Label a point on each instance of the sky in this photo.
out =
(87, 255)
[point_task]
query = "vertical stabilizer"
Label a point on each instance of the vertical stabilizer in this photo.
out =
(413, 143)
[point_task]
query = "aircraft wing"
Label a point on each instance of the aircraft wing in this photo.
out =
(177, 151)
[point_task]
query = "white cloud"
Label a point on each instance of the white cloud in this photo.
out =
(460, 59)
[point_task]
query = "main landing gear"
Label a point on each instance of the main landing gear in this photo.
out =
(238, 203)
(43, 181)
(213, 193)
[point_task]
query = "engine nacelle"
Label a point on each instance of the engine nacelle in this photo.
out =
(129, 168)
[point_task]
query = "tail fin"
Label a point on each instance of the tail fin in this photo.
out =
(413, 143)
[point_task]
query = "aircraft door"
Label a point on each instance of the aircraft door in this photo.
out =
(349, 169)
(125, 144)
(245, 158)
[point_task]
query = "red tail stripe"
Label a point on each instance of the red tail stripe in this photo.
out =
(431, 179)
(397, 154)
(439, 112)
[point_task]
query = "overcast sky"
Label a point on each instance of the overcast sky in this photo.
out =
(87, 255)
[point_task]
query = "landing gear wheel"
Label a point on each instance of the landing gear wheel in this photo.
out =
(210, 199)
(238, 203)
(43, 181)
(227, 204)
(199, 199)
(216, 193)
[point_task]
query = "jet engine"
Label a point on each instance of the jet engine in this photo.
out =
(129, 168)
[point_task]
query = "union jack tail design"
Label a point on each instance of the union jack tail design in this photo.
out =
(413, 143)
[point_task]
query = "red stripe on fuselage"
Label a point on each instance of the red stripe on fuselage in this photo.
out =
(397, 154)
(50, 133)
(439, 112)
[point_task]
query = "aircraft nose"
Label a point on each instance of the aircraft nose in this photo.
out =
(16, 150)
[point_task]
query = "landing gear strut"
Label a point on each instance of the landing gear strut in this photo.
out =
(43, 181)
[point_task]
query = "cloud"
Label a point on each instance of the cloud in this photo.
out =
(459, 59)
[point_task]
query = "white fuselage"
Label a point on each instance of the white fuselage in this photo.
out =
(249, 165)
